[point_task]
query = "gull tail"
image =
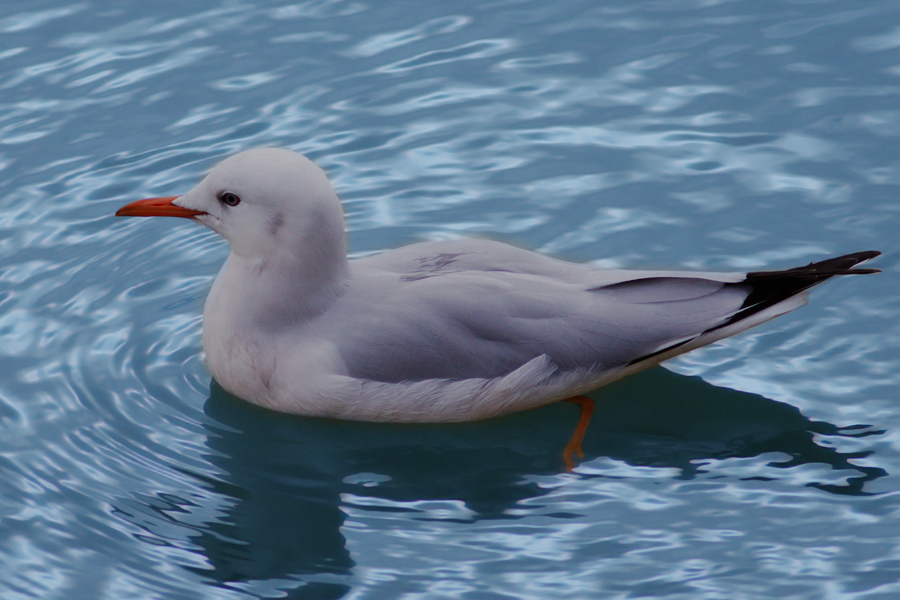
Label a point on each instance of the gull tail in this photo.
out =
(772, 293)
(772, 287)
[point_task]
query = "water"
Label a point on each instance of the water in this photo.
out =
(692, 134)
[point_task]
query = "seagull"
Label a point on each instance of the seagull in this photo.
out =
(437, 331)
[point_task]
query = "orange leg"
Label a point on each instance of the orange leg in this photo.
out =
(574, 445)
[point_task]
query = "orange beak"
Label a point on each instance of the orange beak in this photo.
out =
(157, 207)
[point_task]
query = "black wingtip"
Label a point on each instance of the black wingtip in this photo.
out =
(866, 255)
(771, 287)
(846, 262)
(768, 288)
(841, 265)
(860, 271)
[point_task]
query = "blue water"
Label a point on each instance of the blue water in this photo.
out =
(696, 134)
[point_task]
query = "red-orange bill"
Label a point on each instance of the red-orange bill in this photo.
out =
(157, 207)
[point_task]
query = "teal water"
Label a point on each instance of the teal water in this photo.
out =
(693, 134)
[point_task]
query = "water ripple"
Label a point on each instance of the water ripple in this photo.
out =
(694, 134)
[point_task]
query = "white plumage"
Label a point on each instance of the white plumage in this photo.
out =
(438, 331)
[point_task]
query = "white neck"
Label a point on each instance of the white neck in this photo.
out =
(275, 294)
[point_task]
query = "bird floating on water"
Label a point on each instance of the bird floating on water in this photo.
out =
(436, 331)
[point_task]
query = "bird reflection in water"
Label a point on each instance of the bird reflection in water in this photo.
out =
(278, 508)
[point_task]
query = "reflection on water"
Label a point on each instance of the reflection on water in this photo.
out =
(698, 134)
(277, 503)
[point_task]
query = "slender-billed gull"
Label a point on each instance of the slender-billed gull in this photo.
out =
(435, 331)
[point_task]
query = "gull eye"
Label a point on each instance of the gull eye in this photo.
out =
(229, 199)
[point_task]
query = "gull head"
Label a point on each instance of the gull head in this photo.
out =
(269, 203)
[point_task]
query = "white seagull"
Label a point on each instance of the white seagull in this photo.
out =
(435, 331)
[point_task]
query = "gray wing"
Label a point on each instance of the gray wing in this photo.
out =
(426, 315)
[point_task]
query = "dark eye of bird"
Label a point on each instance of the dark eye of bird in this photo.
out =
(230, 199)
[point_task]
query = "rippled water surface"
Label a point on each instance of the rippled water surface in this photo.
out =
(696, 134)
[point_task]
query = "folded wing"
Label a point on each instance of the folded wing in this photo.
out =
(451, 321)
